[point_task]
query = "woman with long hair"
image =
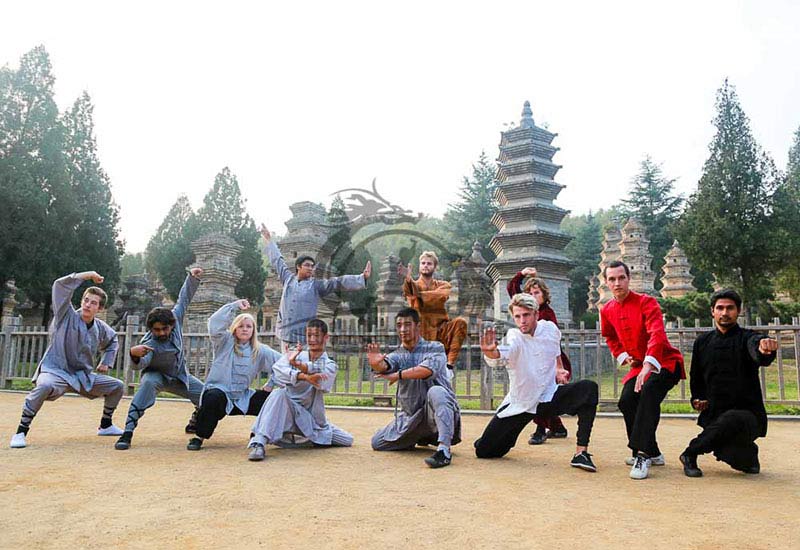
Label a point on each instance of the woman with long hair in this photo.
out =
(238, 359)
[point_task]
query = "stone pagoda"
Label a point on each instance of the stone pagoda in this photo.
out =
(529, 222)
(216, 254)
(389, 293)
(677, 279)
(593, 296)
(609, 253)
(634, 251)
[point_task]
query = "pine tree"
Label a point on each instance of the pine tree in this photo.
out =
(651, 201)
(470, 219)
(584, 249)
(96, 233)
(168, 252)
(787, 210)
(727, 227)
(223, 211)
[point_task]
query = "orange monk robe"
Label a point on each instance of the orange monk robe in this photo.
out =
(429, 301)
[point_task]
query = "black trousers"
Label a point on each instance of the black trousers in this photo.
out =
(580, 398)
(642, 411)
(212, 410)
(730, 437)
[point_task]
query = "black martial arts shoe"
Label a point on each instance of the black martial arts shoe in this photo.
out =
(124, 441)
(195, 444)
(690, 466)
(538, 437)
(438, 460)
(191, 427)
(754, 469)
(583, 460)
(559, 432)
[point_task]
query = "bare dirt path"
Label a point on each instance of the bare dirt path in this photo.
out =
(70, 488)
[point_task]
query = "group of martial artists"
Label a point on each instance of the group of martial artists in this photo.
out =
(290, 410)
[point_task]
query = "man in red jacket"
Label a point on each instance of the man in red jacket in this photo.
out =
(634, 331)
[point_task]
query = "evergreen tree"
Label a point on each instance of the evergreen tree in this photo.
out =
(584, 249)
(223, 211)
(96, 232)
(470, 219)
(348, 261)
(651, 201)
(168, 252)
(728, 227)
(787, 210)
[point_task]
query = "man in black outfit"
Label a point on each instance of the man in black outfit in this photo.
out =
(726, 389)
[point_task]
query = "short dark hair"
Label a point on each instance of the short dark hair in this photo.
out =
(617, 263)
(304, 258)
(728, 293)
(408, 312)
(160, 315)
(318, 323)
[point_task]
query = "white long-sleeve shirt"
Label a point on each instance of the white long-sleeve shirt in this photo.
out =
(531, 364)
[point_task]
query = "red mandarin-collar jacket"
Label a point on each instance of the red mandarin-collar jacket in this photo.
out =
(635, 328)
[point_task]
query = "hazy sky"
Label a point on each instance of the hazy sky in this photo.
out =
(300, 99)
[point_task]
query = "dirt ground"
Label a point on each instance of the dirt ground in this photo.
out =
(70, 488)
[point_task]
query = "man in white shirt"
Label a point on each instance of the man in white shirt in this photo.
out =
(530, 357)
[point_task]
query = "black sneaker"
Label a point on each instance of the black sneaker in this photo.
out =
(690, 466)
(754, 469)
(583, 460)
(438, 460)
(538, 437)
(124, 441)
(191, 427)
(558, 433)
(195, 444)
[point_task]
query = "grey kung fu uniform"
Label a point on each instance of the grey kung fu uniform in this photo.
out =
(299, 299)
(298, 407)
(227, 389)
(428, 411)
(68, 363)
(164, 368)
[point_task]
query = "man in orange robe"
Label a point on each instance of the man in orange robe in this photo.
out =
(428, 296)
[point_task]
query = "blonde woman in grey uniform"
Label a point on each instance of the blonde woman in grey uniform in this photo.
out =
(238, 360)
(299, 408)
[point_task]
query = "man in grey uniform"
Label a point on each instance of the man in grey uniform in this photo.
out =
(161, 356)
(302, 292)
(429, 412)
(68, 363)
(298, 408)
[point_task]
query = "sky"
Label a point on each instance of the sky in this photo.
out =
(301, 99)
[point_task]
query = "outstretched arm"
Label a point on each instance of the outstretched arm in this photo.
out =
(275, 258)
(220, 321)
(63, 288)
(186, 294)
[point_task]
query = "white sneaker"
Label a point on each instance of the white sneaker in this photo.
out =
(18, 441)
(641, 467)
(111, 430)
(257, 452)
(655, 460)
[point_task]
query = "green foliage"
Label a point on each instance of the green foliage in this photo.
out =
(584, 249)
(787, 209)
(132, 264)
(223, 211)
(54, 195)
(651, 200)
(470, 219)
(168, 252)
(345, 260)
(695, 305)
(728, 227)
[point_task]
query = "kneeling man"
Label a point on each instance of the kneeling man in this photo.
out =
(429, 413)
(726, 390)
(530, 357)
(298, 408)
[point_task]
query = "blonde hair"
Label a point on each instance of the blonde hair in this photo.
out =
(430, 254)
(254, 344)
(523, 300)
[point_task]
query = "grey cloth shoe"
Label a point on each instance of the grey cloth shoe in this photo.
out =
(257, 452)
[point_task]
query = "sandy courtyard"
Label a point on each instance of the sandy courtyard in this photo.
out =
(71, 489)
